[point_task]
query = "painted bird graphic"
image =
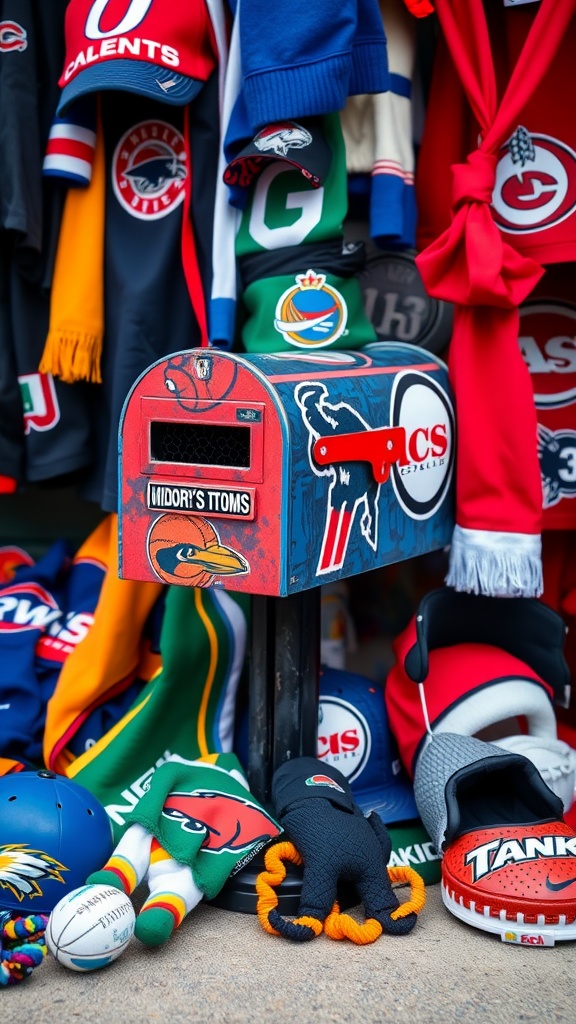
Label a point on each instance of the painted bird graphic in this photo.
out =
(23, 869)
(229, 822)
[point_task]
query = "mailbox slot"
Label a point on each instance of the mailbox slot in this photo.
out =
(200, 444)
(226, 445)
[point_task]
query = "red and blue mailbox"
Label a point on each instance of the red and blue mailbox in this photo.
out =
(271, 474)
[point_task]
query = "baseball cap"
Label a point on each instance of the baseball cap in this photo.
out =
(354, 736)
(467, 662)
(163, 50)
(301, 144)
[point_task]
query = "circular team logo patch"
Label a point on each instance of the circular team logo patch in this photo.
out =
(311, 314)
(548, 345)
(535, 185)
(149, 170)
(344, 739)
(421, 406)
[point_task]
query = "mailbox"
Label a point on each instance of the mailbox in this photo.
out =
(272, 474)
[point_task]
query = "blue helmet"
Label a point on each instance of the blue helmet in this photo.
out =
(53, 834)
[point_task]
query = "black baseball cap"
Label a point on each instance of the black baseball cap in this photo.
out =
(301, 144)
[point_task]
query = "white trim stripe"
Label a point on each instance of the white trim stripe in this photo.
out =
(74, 133)
(67, 166)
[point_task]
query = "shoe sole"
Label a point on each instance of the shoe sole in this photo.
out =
(515, 932)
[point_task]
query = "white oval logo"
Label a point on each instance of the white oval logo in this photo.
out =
(422, 407)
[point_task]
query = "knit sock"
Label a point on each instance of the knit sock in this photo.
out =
(154, 925)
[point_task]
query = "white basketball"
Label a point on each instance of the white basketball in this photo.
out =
(90, 927)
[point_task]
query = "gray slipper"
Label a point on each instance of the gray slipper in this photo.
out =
(463, 783)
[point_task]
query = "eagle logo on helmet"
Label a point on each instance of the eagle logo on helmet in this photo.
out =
(22, 870)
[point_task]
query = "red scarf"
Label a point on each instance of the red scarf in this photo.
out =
(496, 546)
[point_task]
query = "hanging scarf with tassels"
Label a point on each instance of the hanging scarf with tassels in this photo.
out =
(496, 546)
(76, 329)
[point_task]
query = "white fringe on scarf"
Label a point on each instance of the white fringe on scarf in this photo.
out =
(495, 564)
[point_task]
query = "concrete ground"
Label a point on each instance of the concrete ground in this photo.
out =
(221, 967)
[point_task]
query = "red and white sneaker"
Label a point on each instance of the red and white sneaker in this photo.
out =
(508, 856)
(517, 881)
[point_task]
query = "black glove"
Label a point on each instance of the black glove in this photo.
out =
(336, 843)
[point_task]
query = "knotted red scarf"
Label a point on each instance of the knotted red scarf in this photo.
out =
(496, 546)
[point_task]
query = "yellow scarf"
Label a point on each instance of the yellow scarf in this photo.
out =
(111, 654)
(74, 344)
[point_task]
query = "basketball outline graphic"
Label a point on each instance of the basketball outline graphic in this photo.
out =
(191, 390)
(187, 550)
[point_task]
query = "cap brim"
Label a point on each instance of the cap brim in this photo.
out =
(394, 803)
(248, 164)
(137, 77)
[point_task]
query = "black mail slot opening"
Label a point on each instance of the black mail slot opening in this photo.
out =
(203, 444)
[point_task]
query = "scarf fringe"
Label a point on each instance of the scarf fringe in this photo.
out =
(73, 355)
(492, 564)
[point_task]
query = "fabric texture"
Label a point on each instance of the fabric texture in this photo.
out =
(74, 344)
(299, 61)
(195, 826)
(46, 611)
(468, 662)
(378, 132)
(448, 765)
(107, 660)
(185, 707)
(288, 78)
(496, 548)
(299, 285)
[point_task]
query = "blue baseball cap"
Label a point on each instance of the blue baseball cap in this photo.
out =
(354, 736)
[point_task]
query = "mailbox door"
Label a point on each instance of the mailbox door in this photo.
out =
(202, 447)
